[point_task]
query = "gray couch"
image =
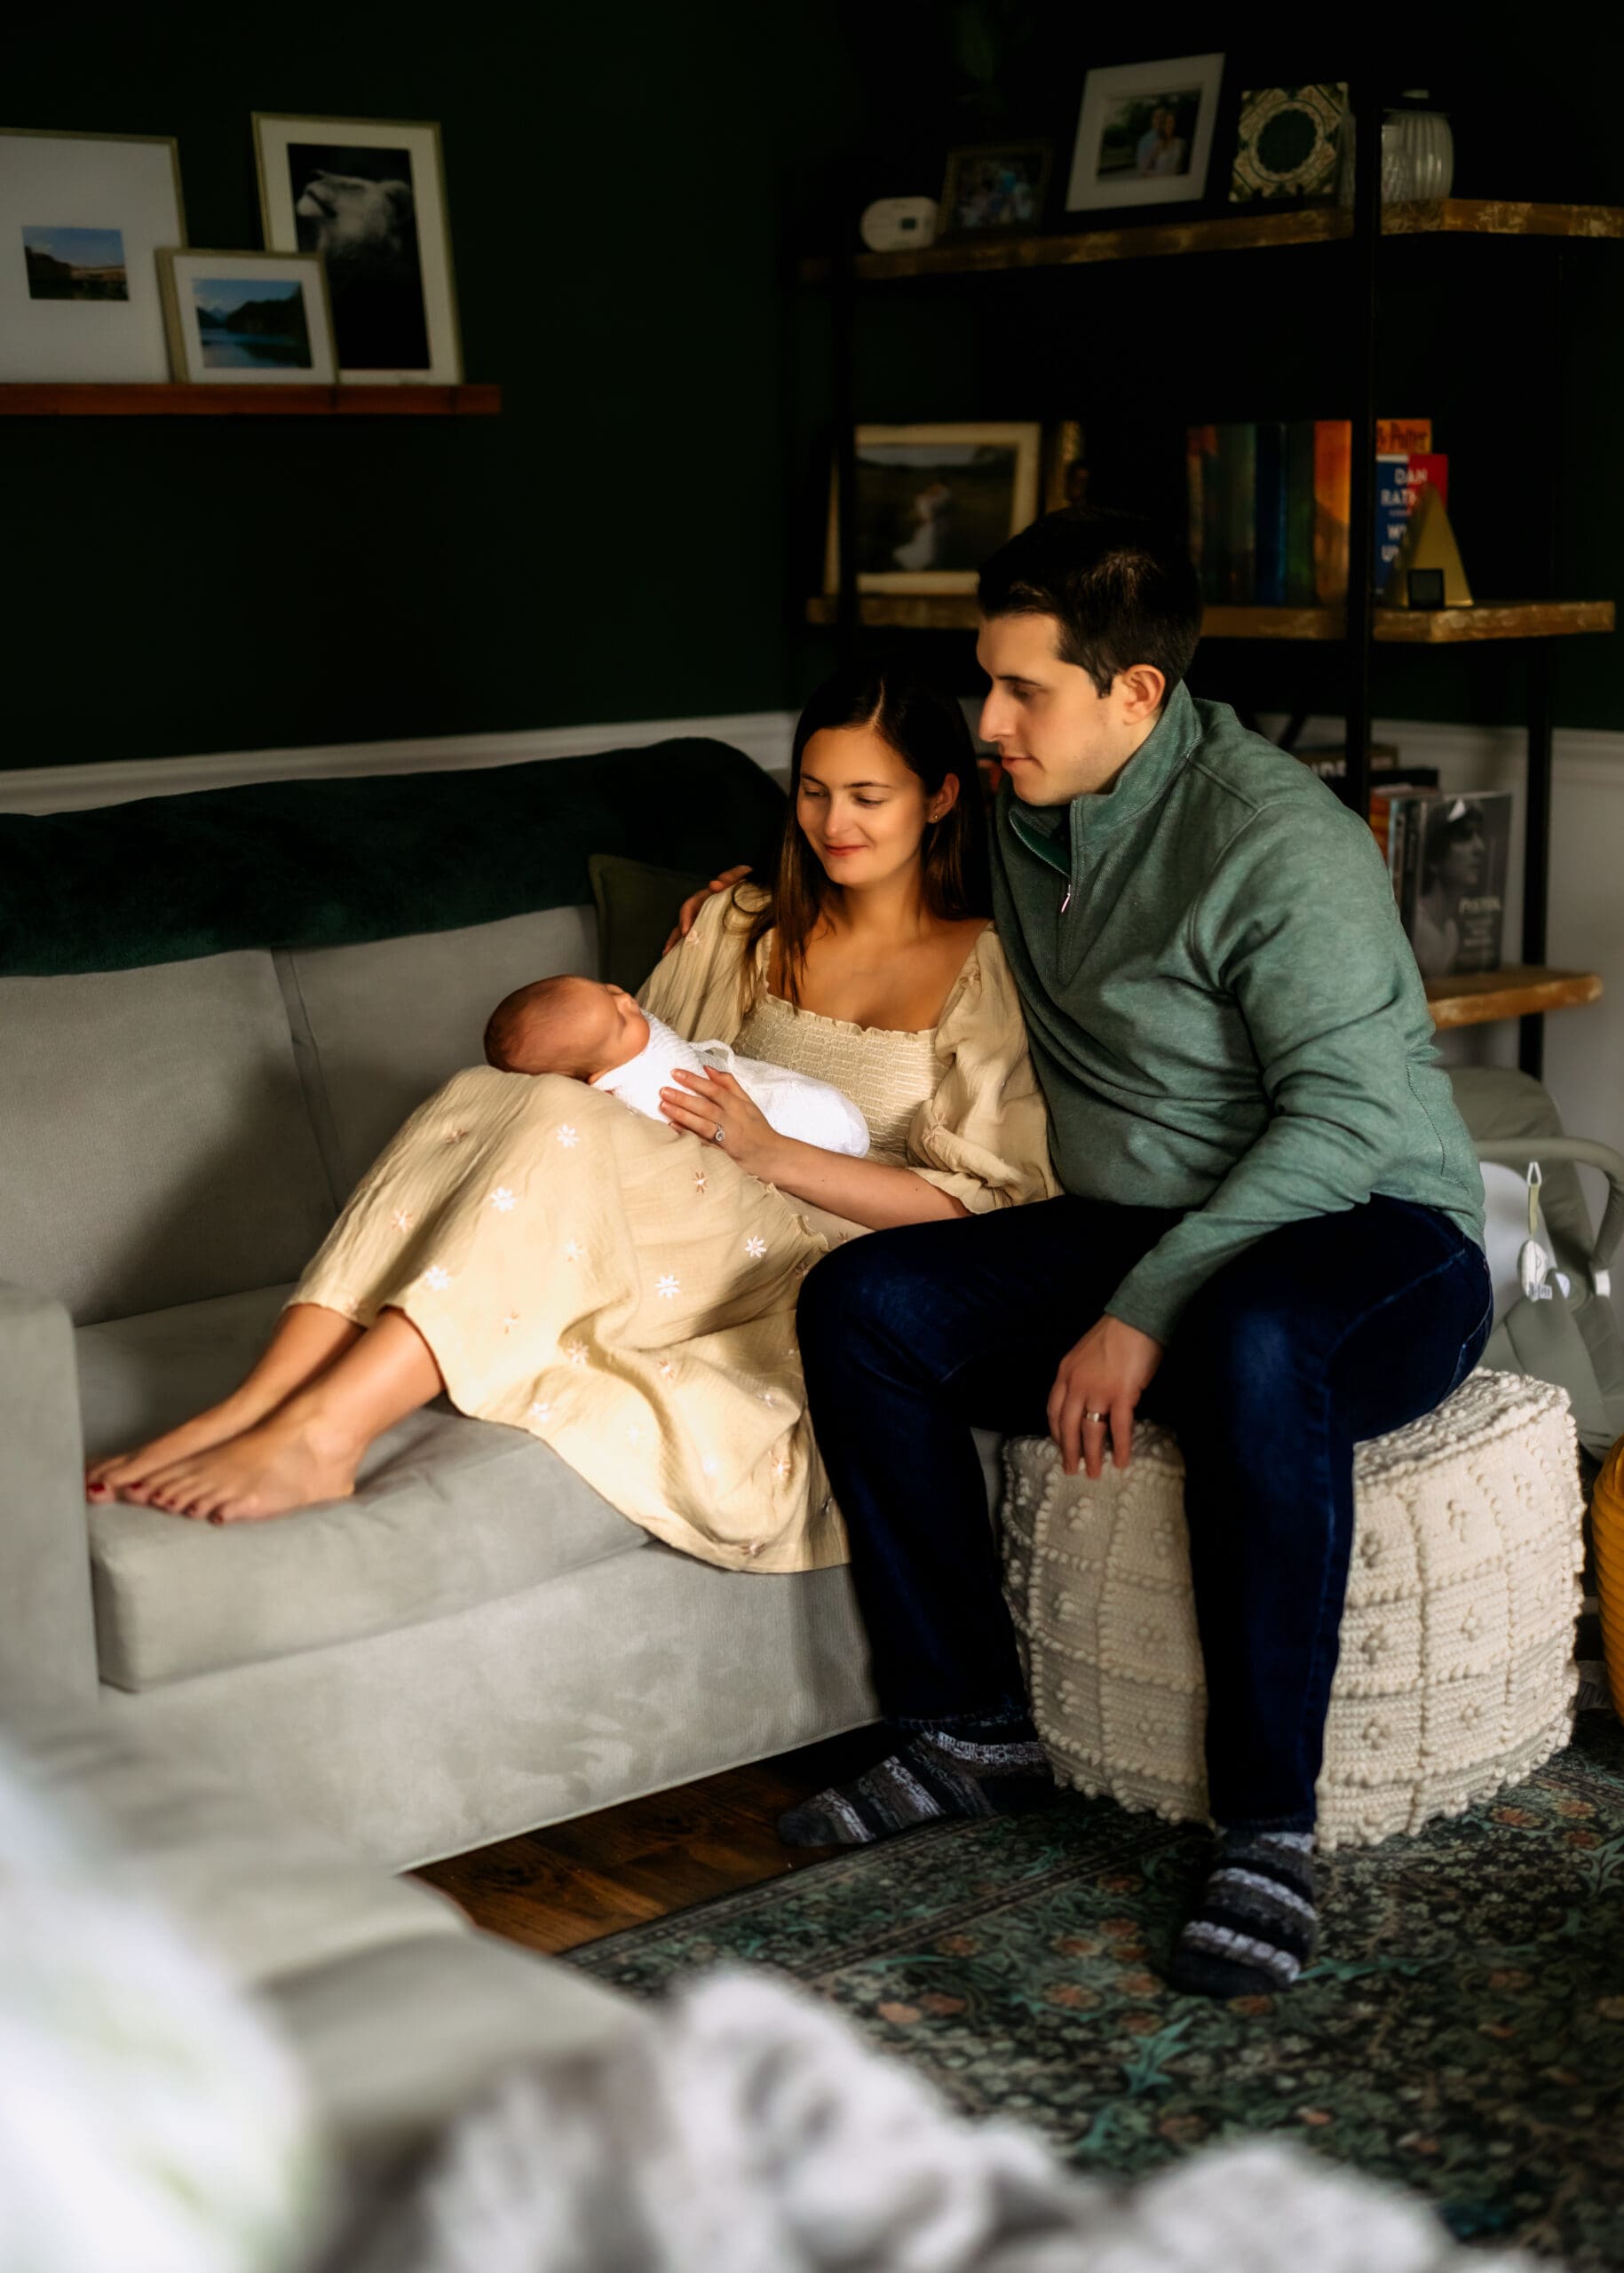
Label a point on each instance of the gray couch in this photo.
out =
(477, 1643)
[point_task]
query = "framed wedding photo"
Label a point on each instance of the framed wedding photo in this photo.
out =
(999, 186)
(369, 196)
(1144, 136)
(257, 318)
(933, 502)
(82, 216)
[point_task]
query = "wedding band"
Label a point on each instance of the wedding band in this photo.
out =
(1097, 1416)
(719, 1135)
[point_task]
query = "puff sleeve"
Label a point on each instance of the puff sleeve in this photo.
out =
(695, 988)
(983, 1136)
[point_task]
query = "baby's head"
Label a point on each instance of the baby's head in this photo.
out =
(568, 1026)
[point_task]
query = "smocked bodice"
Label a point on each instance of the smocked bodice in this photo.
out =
(887, 1073)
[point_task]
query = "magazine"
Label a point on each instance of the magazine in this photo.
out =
(1448, 857)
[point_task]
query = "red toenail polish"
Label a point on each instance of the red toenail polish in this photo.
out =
(216, 1519)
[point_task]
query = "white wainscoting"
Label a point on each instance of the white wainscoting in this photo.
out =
(764, 735)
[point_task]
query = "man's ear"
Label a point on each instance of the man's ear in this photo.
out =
(1141, 689)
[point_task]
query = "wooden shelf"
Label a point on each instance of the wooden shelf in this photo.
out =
(1518, 990)
(1313, 225)
(1401, 626)
(64, 400)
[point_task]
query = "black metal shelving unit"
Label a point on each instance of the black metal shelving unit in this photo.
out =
(1363, 625)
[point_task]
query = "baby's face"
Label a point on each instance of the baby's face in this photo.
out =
(596, 1028)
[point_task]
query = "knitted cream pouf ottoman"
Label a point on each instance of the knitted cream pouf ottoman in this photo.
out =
(1456, 1674)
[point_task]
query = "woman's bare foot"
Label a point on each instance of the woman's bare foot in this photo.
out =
(308, 1339)
(124, 1476)
(269, 1470)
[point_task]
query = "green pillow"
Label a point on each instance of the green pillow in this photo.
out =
(637, 907)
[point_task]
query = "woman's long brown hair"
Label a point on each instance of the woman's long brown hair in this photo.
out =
(927, 731)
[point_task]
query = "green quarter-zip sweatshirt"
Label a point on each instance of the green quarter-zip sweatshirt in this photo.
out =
(1224, 1009)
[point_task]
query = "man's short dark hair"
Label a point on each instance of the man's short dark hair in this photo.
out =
(1122, 593)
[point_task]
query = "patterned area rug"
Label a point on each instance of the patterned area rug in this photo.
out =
(1462, 2033)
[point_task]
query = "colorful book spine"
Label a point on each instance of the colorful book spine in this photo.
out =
(1301, 588)
(1201, 447)
(1273, 513)
(1236, 467)
(1332, 484)
(1403, 437)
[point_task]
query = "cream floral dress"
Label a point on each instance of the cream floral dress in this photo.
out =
(626, 1292)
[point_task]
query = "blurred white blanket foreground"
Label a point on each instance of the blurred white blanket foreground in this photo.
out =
(151, 2121)
(753, 2131)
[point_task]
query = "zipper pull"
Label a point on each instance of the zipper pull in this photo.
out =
(1067, 902)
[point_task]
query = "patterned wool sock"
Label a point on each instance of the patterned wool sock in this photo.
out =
(934, 1775)
(1253, 1928)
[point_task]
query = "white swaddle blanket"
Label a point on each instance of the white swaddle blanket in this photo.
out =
(795, 1104)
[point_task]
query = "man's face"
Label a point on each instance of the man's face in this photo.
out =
(1059, 737)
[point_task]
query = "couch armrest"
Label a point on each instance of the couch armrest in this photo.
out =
(47, 1629)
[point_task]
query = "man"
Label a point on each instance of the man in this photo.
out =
(1270, 1231)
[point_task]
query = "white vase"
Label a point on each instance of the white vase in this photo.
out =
(1417, 158)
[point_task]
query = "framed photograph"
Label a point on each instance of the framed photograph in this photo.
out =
(1288, 146)
(369, 196)
(239, 319)
(1144, 136)
(996, 187)
(82, 216)
(933, 502)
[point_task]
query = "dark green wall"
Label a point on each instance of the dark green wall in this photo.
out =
(611, 547)
(634, 536)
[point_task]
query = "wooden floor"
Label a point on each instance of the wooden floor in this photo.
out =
(574, 1881)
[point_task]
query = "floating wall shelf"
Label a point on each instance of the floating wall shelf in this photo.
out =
(62, 401)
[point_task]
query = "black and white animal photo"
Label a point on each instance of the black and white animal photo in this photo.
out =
(358, 208)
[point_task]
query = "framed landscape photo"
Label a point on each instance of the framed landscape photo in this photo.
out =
(369, 196)
(933, 502)
(997, 187)
(82, 216)
(1144, 135)
(248, 318)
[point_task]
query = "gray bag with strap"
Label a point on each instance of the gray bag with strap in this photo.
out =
(1553, 1309)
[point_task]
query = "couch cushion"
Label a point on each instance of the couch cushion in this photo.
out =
(450, 1513)
(154, 1123)
(383, 1025)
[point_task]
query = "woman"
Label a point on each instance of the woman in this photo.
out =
(626, 1290)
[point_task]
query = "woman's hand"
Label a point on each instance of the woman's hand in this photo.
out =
(691, 906)
(1100, 1381)
(714, 1108)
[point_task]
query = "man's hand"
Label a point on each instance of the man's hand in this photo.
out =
(690, 906)
(1104, 1375)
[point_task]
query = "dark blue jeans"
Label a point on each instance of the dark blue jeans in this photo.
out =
(1323, 1333)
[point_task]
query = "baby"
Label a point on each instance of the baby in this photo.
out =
(596, 1033)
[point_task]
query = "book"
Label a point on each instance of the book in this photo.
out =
(1201, 446)
(1301, 589)
(1402, 781)
(1272, 514)
(1399, 482)
(1234, 471)
(1449, 857)
(1333, 481)
(1402, 436)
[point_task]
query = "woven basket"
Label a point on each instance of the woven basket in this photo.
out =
(1456, 1674)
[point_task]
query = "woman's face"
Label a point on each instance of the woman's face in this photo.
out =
(1462, 864)
(862, 810)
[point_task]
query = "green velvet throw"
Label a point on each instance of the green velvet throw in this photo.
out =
(308, 864)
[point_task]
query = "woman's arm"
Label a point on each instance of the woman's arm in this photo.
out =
(864, 1191)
